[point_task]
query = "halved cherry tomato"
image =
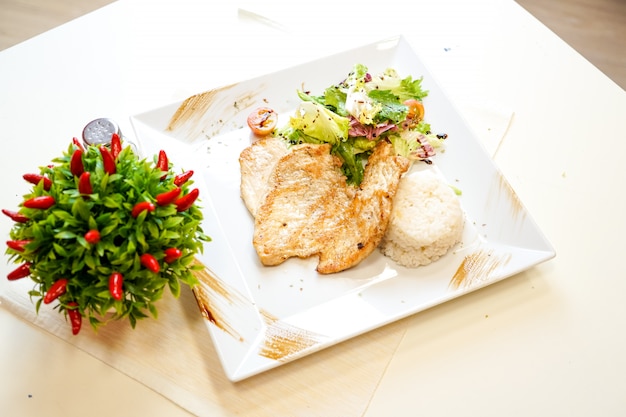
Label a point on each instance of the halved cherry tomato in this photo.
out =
(416, 109)
(262, 121)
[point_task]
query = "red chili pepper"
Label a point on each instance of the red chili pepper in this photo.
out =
(18, 245)
(116, 145)
(107, 160)
(168, 197)
(84, 183)
(180, 179)
(77, 143)
(92, 237)
(115, 285)
(36, 178)
(15, 216)
(76, 163)
(42, 202)
(56, 290)
(75, 317)
(21, 271)
(187, 201)
(139, 207)
(150, 262)
(163, 163)
(171, 254)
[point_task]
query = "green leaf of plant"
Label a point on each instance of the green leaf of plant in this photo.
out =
(90, 261)
(170, 235)
(65, 234)
(153, 310)
(112, 202)
(174, 287)
(81, 209)
(172, 222)
(59, 249)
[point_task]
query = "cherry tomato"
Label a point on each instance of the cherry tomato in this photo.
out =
(262, 121)
(416, 109)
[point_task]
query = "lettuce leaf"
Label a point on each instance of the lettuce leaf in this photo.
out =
(315, 120)
(409, 142)
(336, 100)
(391, 107)
(412, 89)
(353, 166)
(403, 88)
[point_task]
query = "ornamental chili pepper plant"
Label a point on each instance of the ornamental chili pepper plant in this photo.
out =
(102, 233)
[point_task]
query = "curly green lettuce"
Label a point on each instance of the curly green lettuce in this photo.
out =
(356, 113)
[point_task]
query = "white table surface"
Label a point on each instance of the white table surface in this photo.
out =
(547, 342)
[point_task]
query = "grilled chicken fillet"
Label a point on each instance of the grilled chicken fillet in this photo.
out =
(308, 209)
(256, 165)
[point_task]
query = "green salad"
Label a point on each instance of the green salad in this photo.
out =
(358, 112)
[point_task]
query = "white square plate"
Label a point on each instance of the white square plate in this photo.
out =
(261, 317)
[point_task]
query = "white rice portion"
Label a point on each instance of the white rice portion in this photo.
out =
(426, 220)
